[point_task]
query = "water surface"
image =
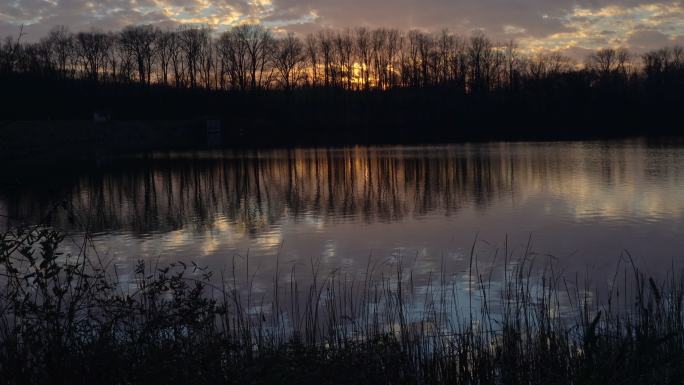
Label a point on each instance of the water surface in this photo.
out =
(581, 204)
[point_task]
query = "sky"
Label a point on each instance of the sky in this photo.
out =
(567, 26)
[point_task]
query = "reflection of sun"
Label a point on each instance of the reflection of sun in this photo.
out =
(221, 224)
(178, 238)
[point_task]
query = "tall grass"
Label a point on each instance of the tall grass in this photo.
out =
(72, 319)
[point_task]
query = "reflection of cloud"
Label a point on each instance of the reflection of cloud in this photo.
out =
(270, 240)
(178, 238)
(329, 253)
(599, 188)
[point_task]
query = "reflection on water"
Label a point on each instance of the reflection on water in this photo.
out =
(584, 202)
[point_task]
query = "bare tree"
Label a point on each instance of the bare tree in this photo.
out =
(257, 42)
(426, 56)
(325, 39)
(206, 59)
(312, 55)
(177, 60)
(122, 62)
(661, 64)
(363, 47)
(165, 46)
(479, 60)
(379, 56)
(139, 41)
(249, 57)
(62, 47)
(232, 49)
(194, 43)
(609, 61)
(512, 63)
(411, 65)
(9, 52)
(394, 43)
(92, 49)
(344, 50)
(288, 58)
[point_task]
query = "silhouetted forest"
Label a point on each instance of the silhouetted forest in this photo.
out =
(361, 85)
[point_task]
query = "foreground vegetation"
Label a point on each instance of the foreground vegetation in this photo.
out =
(71, 319)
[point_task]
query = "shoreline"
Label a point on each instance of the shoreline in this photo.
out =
(36, 142)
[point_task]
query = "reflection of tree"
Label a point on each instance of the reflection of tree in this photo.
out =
(254, 190)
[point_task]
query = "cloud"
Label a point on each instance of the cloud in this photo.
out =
(615, 25)
(644, 39)
(558, 25)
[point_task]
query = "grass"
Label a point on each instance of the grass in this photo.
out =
(71, 319)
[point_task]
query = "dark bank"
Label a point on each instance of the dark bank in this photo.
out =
(330, 88)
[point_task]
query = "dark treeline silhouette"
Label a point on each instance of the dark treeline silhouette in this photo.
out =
(375, 85)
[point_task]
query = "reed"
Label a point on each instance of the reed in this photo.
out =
(73, 319)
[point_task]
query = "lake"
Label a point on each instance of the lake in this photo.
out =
(579, 205)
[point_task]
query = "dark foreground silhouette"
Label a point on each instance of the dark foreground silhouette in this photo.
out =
(70, 319)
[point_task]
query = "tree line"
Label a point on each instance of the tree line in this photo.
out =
(252, 57)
